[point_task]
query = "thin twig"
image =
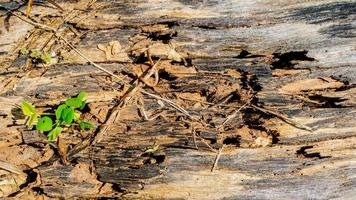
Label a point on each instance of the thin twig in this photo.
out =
(44, 27)
(208, 145)
(209, 103)
(153, 117)
(174, 105)
(217, 158)
(90, 61)
(55, 4)
(223, 100)
(233, 115)
(289, 121)
(116, 110)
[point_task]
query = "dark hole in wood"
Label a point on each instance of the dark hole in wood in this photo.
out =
(164, 38)
(140, 59)
(31, 177)
(243, 54)
(235, 97)
(130, 75)
(253, 82)
(275, 136)
(159, 158)
(284, 60)
(345, 87)
(208, 27)
(128, 128)
(302, 152)
(211, 140)
(117, 188)
(249, 81)
(232, 140)
(154, 158)
(189, 62)
(166, 76)
(327, 102)
(38, 190)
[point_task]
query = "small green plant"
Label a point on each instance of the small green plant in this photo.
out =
(66, 115)
(152, 149)
(37, 56)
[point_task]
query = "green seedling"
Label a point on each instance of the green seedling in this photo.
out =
(152, 149)
(30, 111)
(37, 56)
(66, 115)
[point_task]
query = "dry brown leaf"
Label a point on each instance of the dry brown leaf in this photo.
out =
(111, 50)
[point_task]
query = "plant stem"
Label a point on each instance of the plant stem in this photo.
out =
(52, 114)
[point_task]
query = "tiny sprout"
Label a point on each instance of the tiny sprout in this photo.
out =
(65, 115)
(152, 149)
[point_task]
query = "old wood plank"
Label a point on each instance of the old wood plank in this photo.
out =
(294, 58)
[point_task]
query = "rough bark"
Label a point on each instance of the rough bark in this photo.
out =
(295, 60)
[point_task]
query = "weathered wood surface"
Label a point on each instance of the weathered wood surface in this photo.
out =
(296, 58)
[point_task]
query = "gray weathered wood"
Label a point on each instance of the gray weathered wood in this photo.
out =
(296, 58)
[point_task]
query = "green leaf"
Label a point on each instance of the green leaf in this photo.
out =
(60, 110)
(46, 58)
(28, 109)
(74, 102)
(33, 118)
(58, 123)
(82, 95)
(85, 125)
(53, 134)
(152, 149)
(44, 124)
(82, 106)
(68, 115)
(76, 115)
(35, 54)
(24, 51)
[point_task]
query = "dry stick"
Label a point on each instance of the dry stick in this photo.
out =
(90, 61)
(56, 4)
(115, 111)
(50, 29)
(223, 101)
(234, 113)
(212, 104)
(44, 27)
(201, 138)
(208, 145)
(289, 121)
(174, 105)
(153, 117)
(217, 158)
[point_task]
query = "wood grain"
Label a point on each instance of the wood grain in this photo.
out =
(296, 58)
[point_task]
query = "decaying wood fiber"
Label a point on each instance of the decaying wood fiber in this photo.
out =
(289, 66)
